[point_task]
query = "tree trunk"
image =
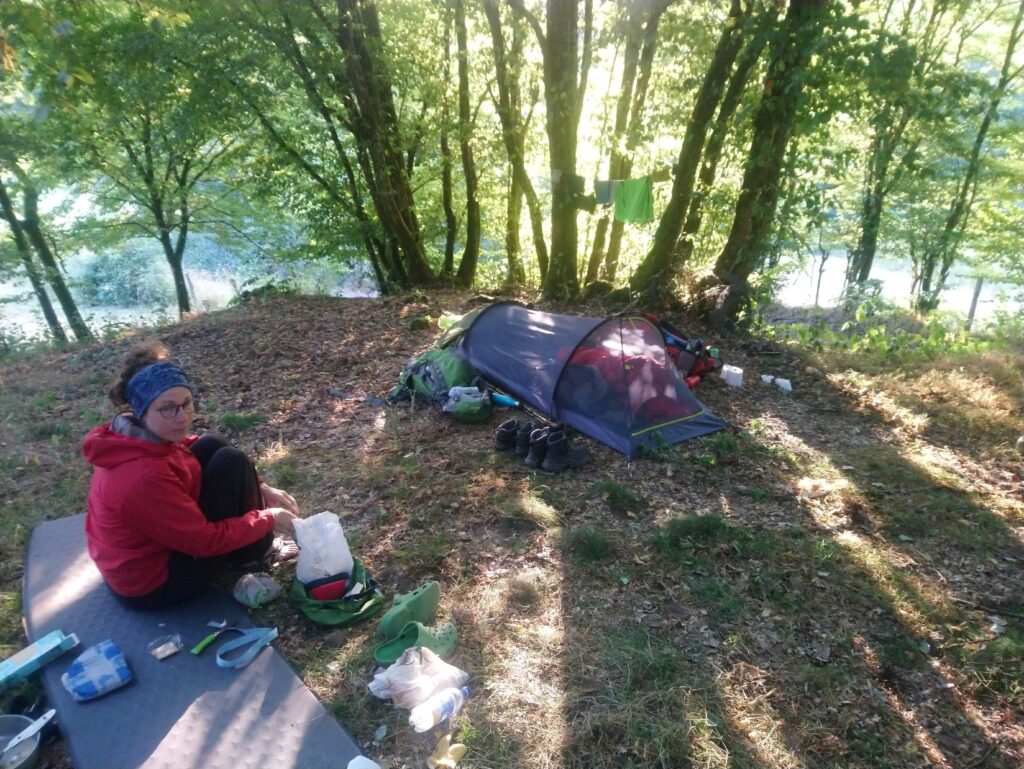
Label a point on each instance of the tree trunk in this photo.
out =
(374, 123)
(451, 222)
(25, 252)
(945, 248)
(386, 275)
(889, 128)
(773, 123)
(978, 283)
(636, 116)
(887, 136)
(514, 136)
(632, 93)
(471, 253)
(597, 249)
(560, 95)
(716, 141)
(658, 266)
(173, 251)
(513, 248)
(51, 269)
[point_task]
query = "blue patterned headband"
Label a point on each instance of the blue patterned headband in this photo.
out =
(147, 383)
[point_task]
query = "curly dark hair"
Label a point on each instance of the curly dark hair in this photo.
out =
(137, 358)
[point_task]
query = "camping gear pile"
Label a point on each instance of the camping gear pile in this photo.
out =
(624, 380)
(691, 357)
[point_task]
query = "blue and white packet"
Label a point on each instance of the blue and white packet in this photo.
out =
(98, 670)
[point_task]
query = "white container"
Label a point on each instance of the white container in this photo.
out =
(733, 375)
(767, 378)
(323, 549)
(784, 384)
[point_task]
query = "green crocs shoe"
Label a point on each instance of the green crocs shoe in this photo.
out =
(417, 606)
(440, 639)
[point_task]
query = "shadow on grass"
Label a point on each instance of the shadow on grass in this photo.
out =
(799, 640)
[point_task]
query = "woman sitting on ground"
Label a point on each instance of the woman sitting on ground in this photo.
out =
(165, 507)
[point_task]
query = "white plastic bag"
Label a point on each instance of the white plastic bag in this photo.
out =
(416, 676)
(323, 549)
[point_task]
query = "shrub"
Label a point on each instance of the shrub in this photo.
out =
(125, 278)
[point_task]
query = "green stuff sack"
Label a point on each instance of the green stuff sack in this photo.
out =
(345, 611)
(468, 404)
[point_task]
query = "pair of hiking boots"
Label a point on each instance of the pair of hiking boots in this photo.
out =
(543, 447)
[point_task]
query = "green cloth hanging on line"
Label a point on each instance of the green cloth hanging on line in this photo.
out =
(634, 200)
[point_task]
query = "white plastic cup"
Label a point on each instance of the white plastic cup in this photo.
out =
(767, 378)
(733, 375)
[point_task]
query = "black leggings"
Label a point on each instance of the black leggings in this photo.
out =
(229, 488)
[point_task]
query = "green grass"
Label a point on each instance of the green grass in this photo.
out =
(998, 663)
(601, 627)
(590, 545)
(619, 498)
(239, 423)
(486, 740)
(527, 511)
(425, 551)
(691, 532)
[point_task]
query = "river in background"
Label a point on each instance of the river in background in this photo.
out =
(21, 318)
(896, 279)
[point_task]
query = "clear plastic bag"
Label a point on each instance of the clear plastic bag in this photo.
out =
(417, 675)
(165, 646)
(255, 590)
(323, 549)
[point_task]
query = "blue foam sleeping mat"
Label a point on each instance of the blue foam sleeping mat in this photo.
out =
(180, 712)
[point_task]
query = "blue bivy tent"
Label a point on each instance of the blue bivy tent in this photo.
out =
(610, 378)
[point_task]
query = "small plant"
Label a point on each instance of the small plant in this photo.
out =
(130, 277)
(287, 473)
(530, 510)
(523, 593)
(43, 403)
(619, 498)
(720, 447)
(998, 663)
(661, 451)
(239, 423)
(427, 551)
(756, 494)
(691, 532)
(260, 291)
(590, 544)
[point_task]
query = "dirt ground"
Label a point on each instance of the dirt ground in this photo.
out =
(834, 581)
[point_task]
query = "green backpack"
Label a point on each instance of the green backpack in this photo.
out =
(342, 612)
(433, 373)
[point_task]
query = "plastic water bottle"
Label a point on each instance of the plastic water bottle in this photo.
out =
(443, 705)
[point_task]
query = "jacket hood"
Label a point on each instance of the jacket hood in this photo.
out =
(120, 441)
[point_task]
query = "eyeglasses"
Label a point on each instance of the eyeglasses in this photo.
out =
(172, 410)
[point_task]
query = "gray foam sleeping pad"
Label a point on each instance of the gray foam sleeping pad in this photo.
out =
(183, 711)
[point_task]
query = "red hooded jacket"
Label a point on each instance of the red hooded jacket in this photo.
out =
(143, 505)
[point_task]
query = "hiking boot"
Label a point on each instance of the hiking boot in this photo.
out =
(538, 448)
(508, 432)
(523, 439)
(561, 454)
